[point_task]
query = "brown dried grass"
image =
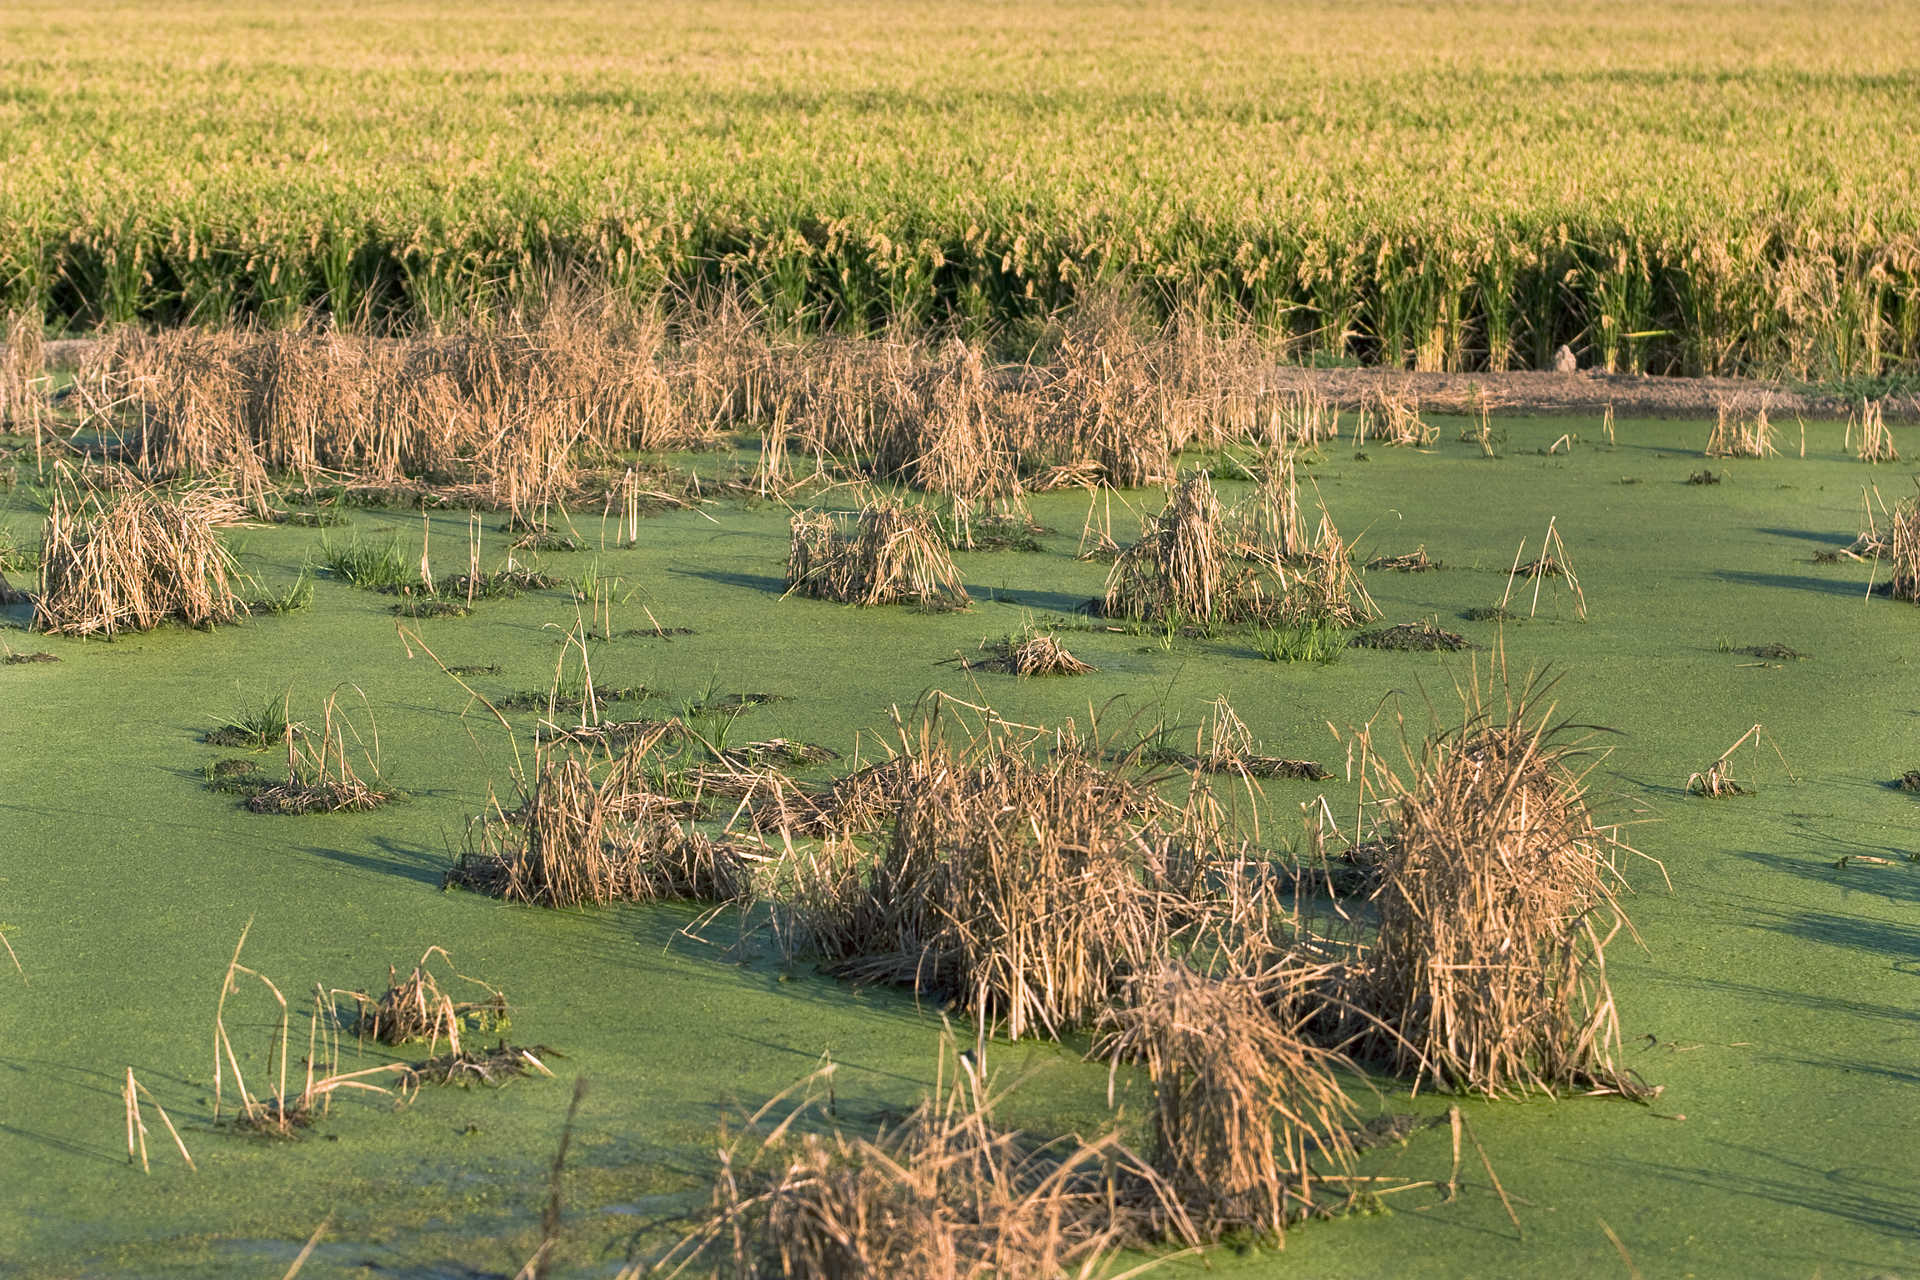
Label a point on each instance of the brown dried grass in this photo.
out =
(944, 1194)
(1184, 567)
(129, 562)
(420, 1006)
(1876, 440)
(893, 553)
(1735, 435)
(593, 830)
(1496, 901)
(1903, 550)
(1024, 892)
(1026, 653)
(321, 775)
(1245, 1103)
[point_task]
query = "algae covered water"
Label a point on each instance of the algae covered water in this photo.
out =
(1771, 994)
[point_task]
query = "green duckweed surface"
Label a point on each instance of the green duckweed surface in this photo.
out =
(1775, 996)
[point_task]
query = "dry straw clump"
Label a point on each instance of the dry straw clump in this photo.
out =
(503, 411)
(1198, 563)
(421, 1007)
(129, 562)
(1738, 436)
(580, 838)
(321, 775)
(1029, 652)
(1876, 440)
(945, 1194)
(1496, 901)
(1245, 1105)
(1903, 549)
(1024, 892)
(893, 553)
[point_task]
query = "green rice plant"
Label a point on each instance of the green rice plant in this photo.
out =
(260, 726)
(295, 599)
(375, 566)
(1309, 640)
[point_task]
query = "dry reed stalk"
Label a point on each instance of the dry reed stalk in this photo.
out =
(1876, 439)
(893, 554)
(321, 776)
(1181, 567)
(280, 1113)
(945, 1194)
(1903, 550)
(1397, 421)
(1270, 527)
(1496, 902)
(23, 401)
(137, 1126)
(132, 562)
(1716, 781)
(1245, 1105)
(1741, 437)
(1552, 562)
(576, 838)
(1224, 744)
(1322, 584)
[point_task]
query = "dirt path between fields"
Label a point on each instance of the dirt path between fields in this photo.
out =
(1525, 394)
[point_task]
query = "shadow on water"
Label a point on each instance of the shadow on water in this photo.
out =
(1790, 581)
(1809, 535)
(1875, 1201)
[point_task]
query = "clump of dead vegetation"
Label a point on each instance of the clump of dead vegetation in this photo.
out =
(1740, 435)
(321, 774)
(1717, 781)
(420, 1006)
(946, 1193)
(1903, 550)
(1553, 564)
(1020, 890)
(1393, 420)
(277, 1110)
(1248, 1112)
(501, 413)
(891, 553)
(1028, 652)
(1415, 561)
(1876, 440)
(591, 827)
(1195, 563)
(132, 561)
(1496, 901)
(1224, 744)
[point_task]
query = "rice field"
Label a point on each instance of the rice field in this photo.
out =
(1701, 188)
(746, 640)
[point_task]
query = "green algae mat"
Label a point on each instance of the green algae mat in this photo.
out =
(1774, 993)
